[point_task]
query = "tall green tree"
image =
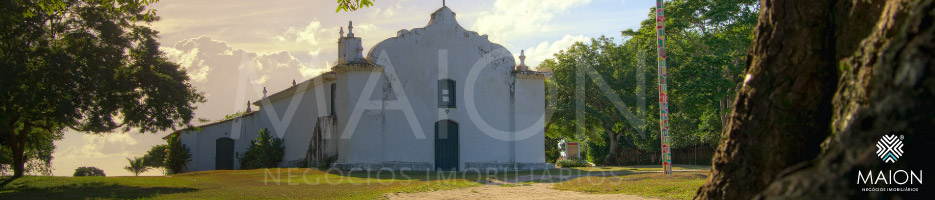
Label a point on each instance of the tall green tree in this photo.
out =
(156, 157)
(600, 75)
(93, 66)
(707, 43)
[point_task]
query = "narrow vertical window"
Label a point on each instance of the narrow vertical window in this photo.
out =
(333, 89)
(446, 93)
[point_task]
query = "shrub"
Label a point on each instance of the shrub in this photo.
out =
(574, 162)
(89, 171)
(137, 166)
(264, 152)
(177, 154)
(551, 149)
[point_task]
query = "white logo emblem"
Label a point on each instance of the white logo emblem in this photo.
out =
(890, 148)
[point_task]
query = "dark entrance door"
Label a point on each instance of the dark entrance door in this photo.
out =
(224, 154)
(446, 145)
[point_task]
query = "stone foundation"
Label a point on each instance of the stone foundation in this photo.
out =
(394, 166)
(483, 167)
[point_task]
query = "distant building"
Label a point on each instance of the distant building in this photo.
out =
(432, 98)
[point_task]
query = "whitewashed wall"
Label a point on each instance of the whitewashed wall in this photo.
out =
(382, 132)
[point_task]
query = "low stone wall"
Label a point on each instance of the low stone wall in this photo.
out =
(394, 166)
(424, 166)
(482, 167)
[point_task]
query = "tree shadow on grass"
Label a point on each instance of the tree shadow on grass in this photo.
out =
(93, 190)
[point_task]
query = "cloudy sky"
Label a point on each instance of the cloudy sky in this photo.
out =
(297, 39)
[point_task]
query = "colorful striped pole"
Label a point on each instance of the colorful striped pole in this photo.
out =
(663, 97)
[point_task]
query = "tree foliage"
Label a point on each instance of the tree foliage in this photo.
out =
(89, 171)
(352, 5)
(137, 165)
(265, 151)
(156, 157)
(707, 43)
(92, 66)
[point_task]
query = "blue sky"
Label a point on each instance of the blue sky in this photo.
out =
(296, 39)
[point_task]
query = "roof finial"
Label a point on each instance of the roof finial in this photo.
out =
(248, 107)
(522, 57)
(342, 31)
(350, 29)
(264, 92)
(443, 3)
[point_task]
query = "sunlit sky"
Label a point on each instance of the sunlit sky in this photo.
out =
(296, 40)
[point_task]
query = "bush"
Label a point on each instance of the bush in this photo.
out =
(551, 149)
(574, 162)
(89, 171)
(177, 154)
(264, 152)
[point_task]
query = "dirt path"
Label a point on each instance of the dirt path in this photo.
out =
(533, 191)
(494, 189)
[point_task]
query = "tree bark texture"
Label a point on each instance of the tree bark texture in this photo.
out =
(824, 81)
(887, 88)
(782, 111)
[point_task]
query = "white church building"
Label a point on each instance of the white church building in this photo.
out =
(433, 98)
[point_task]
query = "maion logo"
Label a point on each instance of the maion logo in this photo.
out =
(890, 148)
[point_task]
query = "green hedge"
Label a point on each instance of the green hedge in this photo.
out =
(574, 162)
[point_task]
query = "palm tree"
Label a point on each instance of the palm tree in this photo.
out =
(136, 166)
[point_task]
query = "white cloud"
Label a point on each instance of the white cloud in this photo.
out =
(545, 50)
(310, 34)
(516, 18)
(98, 146)
(381, 13)
(365, 28)
(275, 71)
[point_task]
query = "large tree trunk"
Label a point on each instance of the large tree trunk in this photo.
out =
(783, 110)
(18, 148)
(612, 140)
(611, 158)
(888, 88)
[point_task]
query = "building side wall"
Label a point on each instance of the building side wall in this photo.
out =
(361, 133)
(530, 119)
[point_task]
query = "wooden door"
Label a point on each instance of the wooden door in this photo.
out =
(446, 146)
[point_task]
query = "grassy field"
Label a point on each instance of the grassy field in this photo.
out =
(679, 185)
(309, 183)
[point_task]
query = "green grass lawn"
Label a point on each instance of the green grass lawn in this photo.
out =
(287, 183)
(679, 185)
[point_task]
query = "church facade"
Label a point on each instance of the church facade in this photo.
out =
(433, 98)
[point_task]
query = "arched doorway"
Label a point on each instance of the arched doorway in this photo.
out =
(446, 145)
(224, 154)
